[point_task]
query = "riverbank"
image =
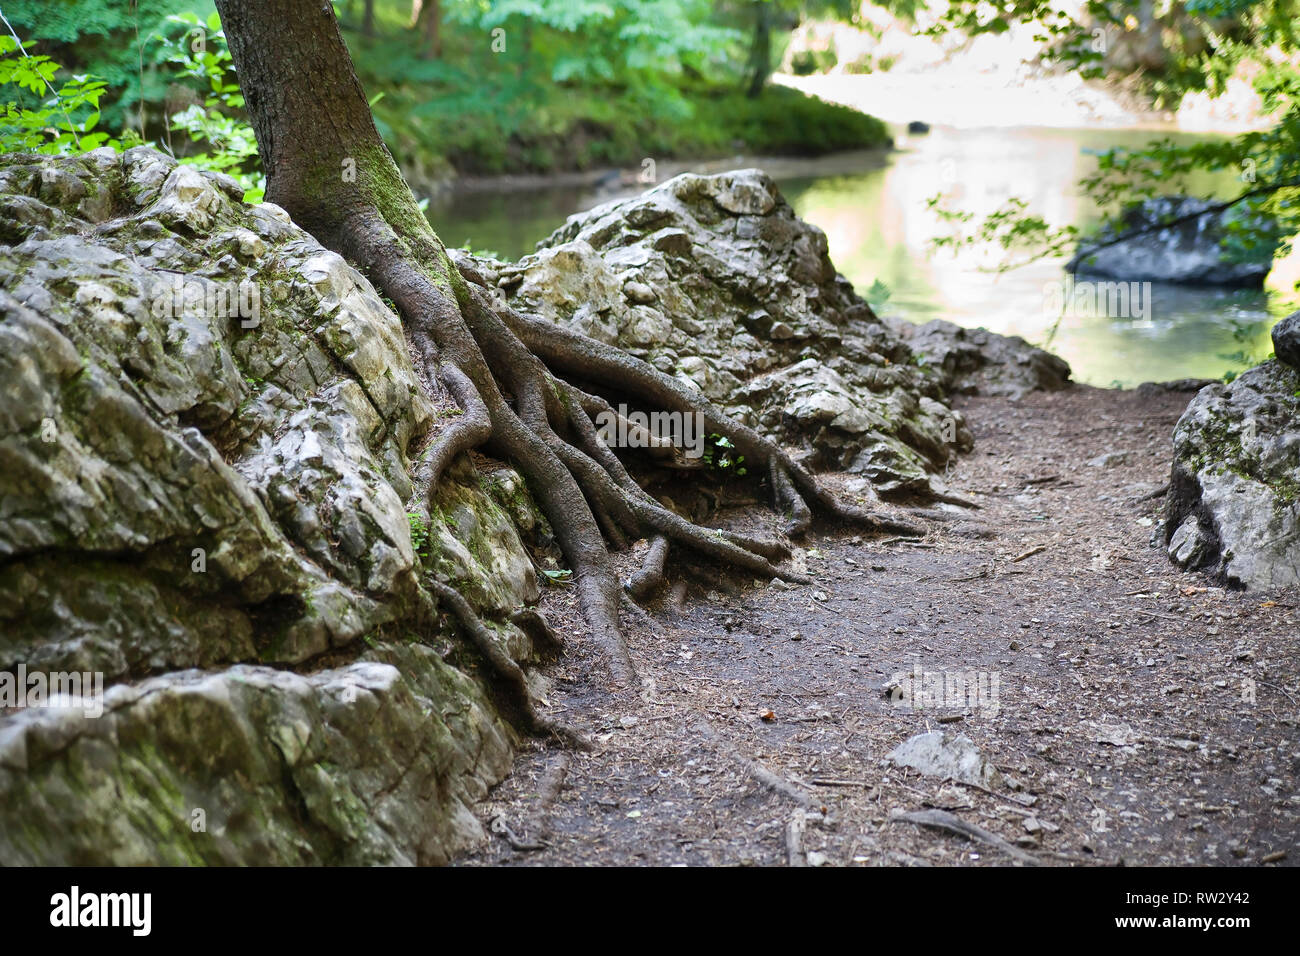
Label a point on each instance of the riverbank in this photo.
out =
(443, 143)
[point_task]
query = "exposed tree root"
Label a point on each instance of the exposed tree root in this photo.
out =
(646, 581)
(513, 377)
(506, 669)
(943, 820)
(471, 430)
(539, 631)
(481, 351)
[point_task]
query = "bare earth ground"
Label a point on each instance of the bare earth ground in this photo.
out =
(1126, 729)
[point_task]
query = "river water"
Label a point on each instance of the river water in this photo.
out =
(873, 208)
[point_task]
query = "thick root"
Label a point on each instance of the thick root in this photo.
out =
(567, 352)
(481, 353)
(509, 673)
(648, 580)
(471, 430)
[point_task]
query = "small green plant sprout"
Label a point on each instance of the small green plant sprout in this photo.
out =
(468, 246)
(558, 576)
(719, 455)
(420, 536)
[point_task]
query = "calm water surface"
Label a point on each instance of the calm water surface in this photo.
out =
(874, 212)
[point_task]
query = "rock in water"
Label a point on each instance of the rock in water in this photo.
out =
(205, 420)
(1234, 497)
(1197, 251)
(937, 755)
(1286, 340)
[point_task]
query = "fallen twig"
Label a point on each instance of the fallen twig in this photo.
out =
(794, 839)
(1029, 554)
(942, 820)
(502, 829)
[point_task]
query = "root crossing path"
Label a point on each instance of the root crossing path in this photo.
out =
(1138, 716)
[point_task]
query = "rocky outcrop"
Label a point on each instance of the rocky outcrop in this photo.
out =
(1194, 250)
(1234, 500)
(713, 279)
(207, 425)
(210, 497)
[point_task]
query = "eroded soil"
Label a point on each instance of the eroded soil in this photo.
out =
(1142, 716)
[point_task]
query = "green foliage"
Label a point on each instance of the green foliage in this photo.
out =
(65, 116)
(199, 55)
(720, 456)
(1205, 42)
(517, 85)
(554, 84)
(104, 38)
(1244, 333)
(420, 534)
(46, 114)
(877, 295)
(468, 246)
(806, 62)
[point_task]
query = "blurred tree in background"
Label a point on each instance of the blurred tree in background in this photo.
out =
(464, 86)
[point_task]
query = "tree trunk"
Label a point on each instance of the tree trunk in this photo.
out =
(329, 169)
(324, 159)
(427, 22)
(368, 19)
(760, 51)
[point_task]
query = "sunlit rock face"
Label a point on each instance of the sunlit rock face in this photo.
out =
(1199, 249)
(715, 280)
(1234, 500)
(207, 427)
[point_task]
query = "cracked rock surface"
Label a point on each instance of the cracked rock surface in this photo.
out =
(207, 431)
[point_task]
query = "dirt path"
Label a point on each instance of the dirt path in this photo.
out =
(1124, 729)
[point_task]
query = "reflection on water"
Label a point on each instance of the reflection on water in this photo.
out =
(875, 218)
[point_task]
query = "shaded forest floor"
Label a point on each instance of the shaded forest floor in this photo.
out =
(1143, 716)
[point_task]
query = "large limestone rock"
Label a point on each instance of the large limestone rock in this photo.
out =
(1234, 500)
(207, 426)
(713, 279)
(1199, 250)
